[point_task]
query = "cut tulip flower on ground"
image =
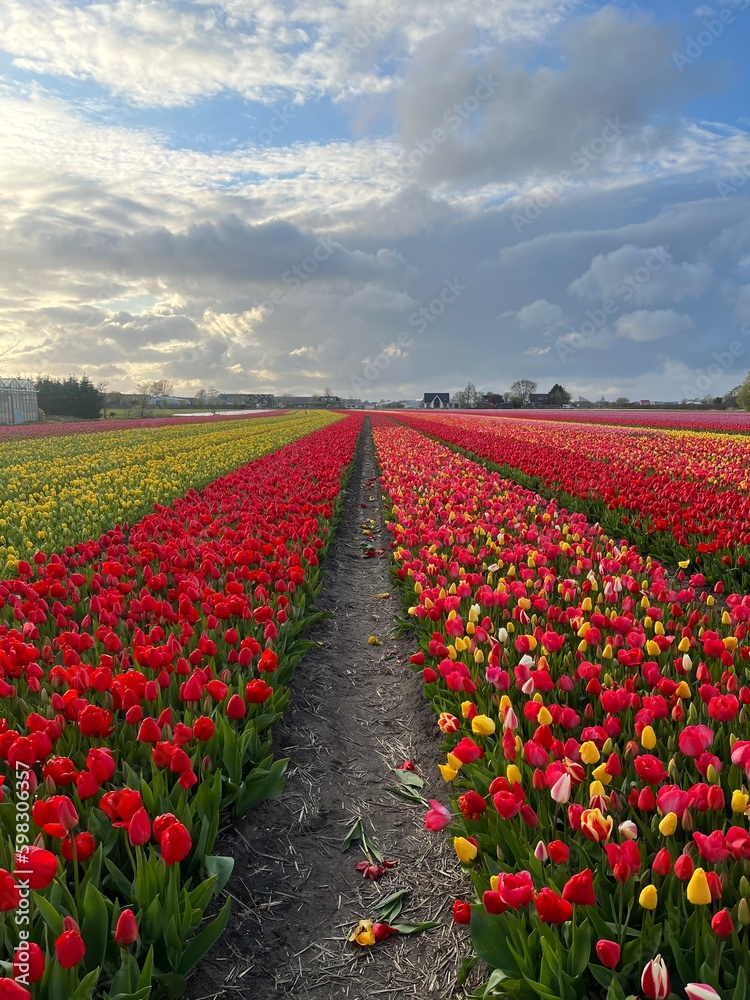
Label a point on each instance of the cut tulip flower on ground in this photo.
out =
(577, 768)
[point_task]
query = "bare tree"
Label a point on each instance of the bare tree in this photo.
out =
(522, 389)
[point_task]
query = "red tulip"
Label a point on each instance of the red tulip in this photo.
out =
(579, 889)
(85, 845)
(559, 853)
(28, 963)
(175, 843)
(126, 931)
(236, 707)
(11, 990)
(552, 909)
(721, 924)
(10, 897)
(36, 867)
(204, 728)
(608, 953)
(461, 912)
(139, 828)
(69, 946)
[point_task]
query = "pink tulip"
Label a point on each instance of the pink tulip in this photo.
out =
(438, 817)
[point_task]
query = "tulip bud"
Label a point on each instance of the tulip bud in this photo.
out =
(628, 830)
(655, 981)
(648, 738)
(668, 825)
(744, 887)
(540, 851)
(608, 953)
(701, 991)
(743, 913)
(698, 890)
(721, 924)
(649, 897)
(126, 932)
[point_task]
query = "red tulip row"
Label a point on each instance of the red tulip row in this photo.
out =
(677, 495)
(140, 675)
(595, 712)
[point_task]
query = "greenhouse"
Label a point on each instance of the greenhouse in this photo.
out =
(18, 403)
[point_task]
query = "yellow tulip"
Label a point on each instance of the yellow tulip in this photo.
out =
(363, 934)
(740, 800)
(648, 738)
(482, 725)
(698, 891)
(447, 772)
(649, 897)
(465, 850)
(589, 752)
(544, 718)
(668, 825)
(683, 691)
(454, 762)
(513, 774)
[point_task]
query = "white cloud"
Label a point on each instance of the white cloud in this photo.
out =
(539, 315)
(644, 326)
(645, 275)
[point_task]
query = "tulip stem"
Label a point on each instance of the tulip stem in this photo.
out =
(76, 882)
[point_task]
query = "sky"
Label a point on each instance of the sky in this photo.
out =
(380, 198)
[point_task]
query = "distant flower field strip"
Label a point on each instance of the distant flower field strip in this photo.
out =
(700, 420)
(56, 491)
(597, 736)
(140, 675)
(679, 494)
(22, 432)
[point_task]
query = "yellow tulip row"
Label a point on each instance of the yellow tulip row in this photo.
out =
(60, 490)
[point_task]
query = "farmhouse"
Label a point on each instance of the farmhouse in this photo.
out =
(436, 401)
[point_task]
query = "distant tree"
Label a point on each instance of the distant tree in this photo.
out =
(559, 395)
(622, 401)
(200, 397)
(743, 395)
(522, 390)
(212, 397)
(469, 398)
(730, 398)
(142, 398)
(71, 397)
(494, 399)
(162, 387)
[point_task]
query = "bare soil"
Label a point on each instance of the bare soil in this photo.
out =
(357, 712)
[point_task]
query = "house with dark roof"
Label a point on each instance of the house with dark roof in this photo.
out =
(436, 401)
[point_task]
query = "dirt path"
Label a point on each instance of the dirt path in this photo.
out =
(357, 712)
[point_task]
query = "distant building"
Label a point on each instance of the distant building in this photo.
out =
(436, 401)
(540, 399)
(250, 400)
(645, 402)
(18, 401)
(170, 402)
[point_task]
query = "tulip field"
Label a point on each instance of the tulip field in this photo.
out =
(578, 602)
(680, 494)
(140, 674)
(593, 704)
